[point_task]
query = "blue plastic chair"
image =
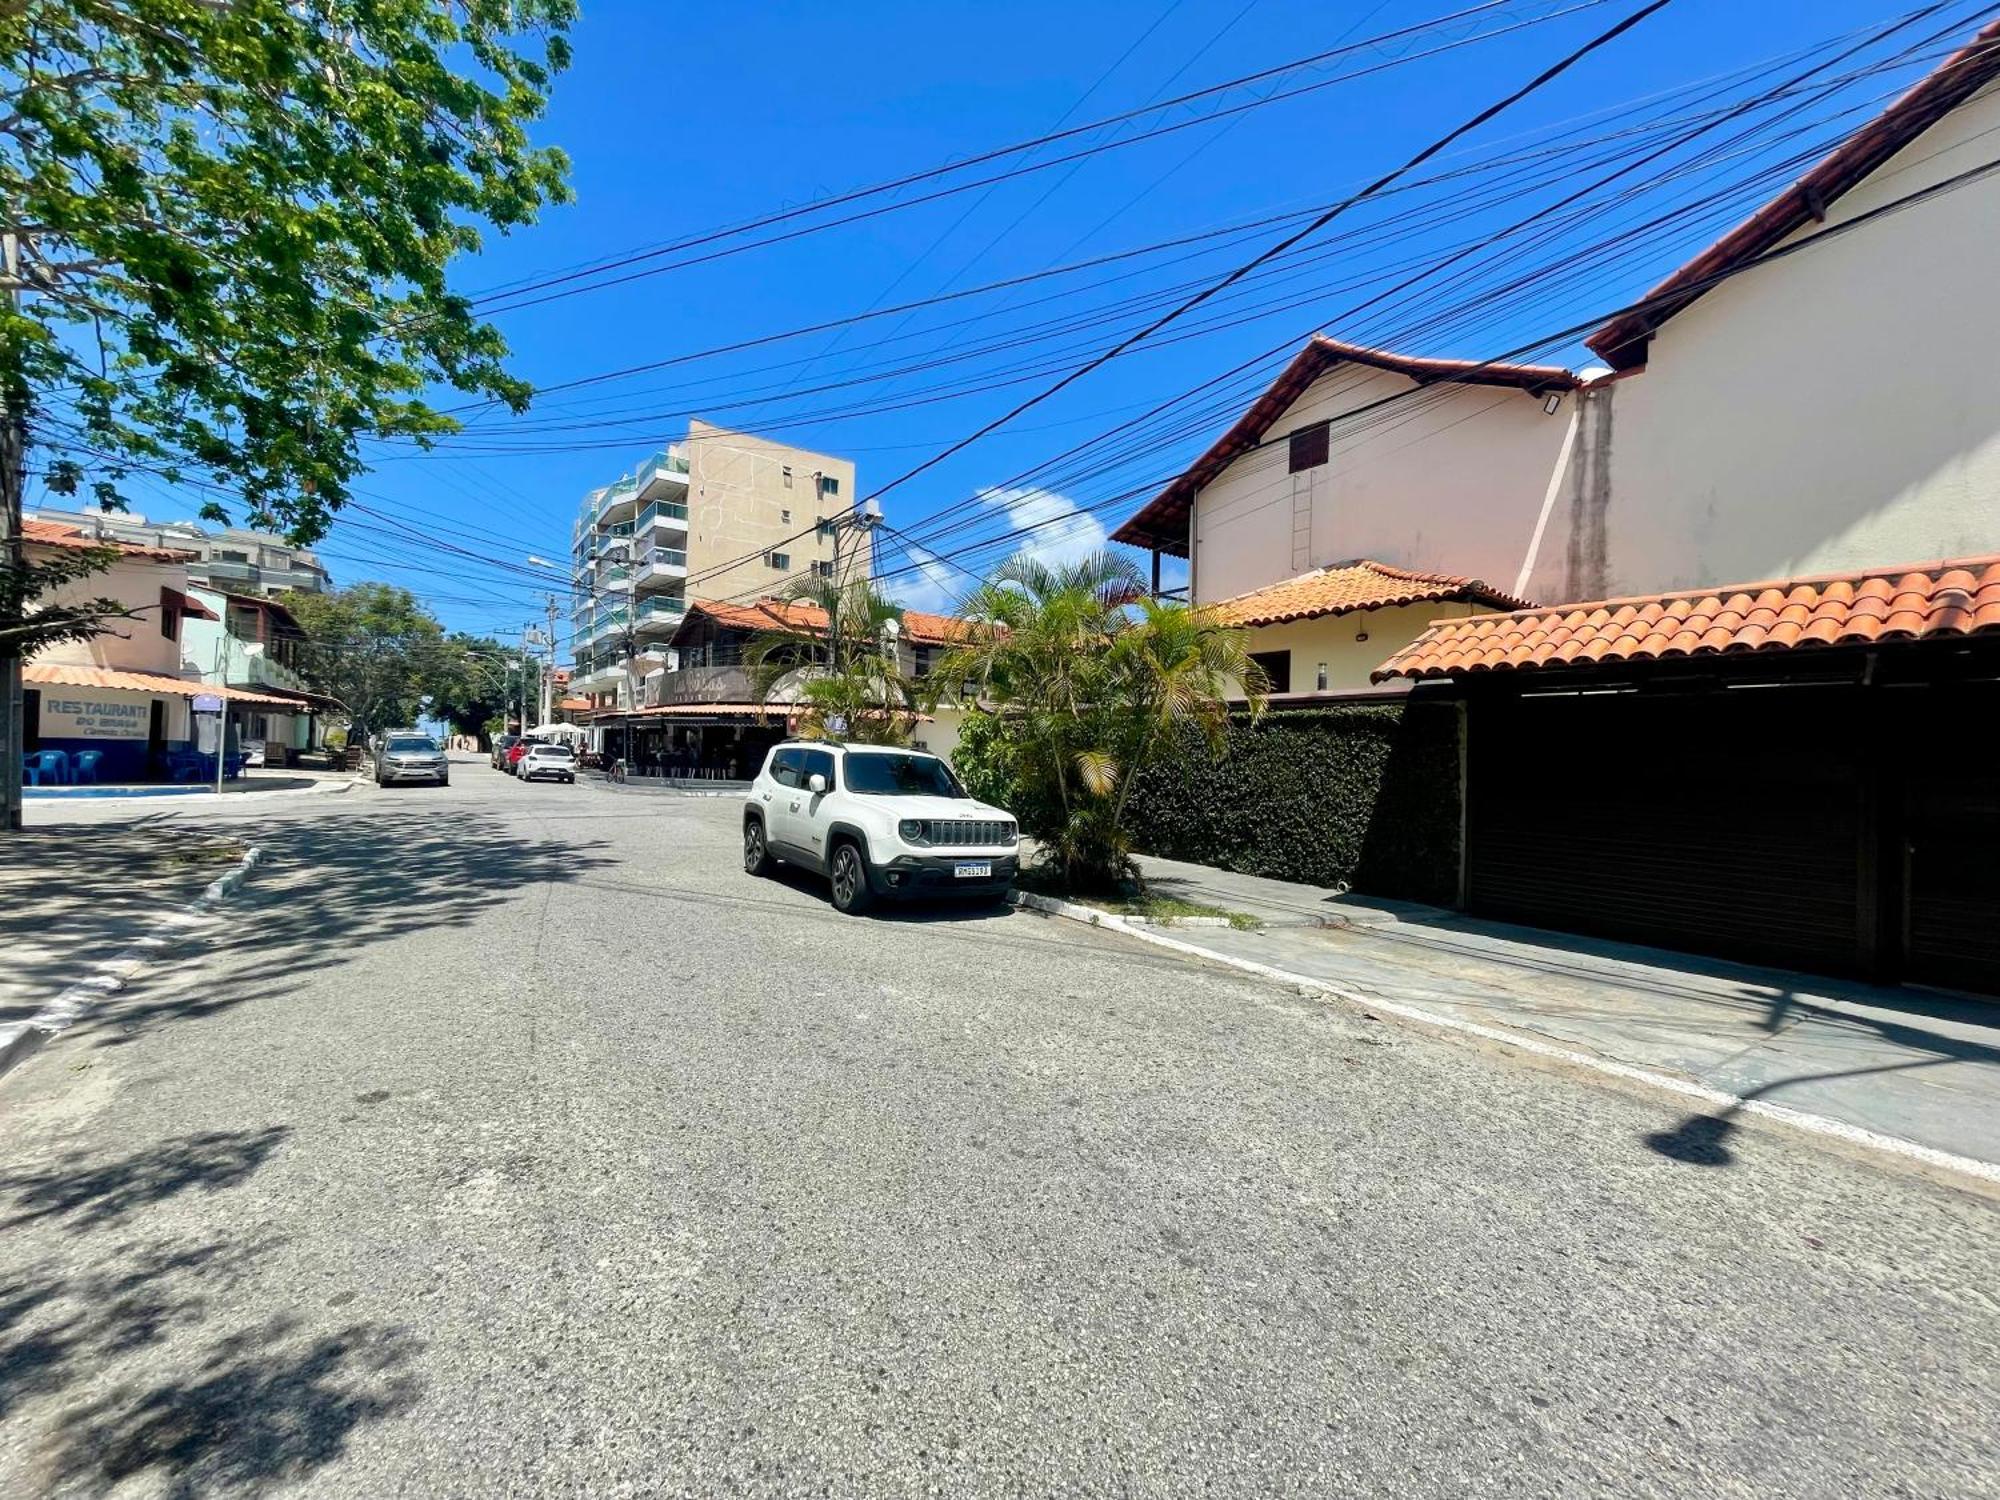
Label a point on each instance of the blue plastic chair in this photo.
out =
(31, 769)
(54, 765)
(84, 767)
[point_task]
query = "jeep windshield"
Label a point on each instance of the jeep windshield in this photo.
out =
(901, 776)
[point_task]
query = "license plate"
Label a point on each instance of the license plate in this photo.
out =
(980, 871)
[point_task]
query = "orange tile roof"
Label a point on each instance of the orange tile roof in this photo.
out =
(63, 674)
(1918, 602)
(62, 534)
(919, 628)
(1341, 587)
(576, 705)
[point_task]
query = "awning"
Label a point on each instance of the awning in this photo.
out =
(188, 605)
(62, 674)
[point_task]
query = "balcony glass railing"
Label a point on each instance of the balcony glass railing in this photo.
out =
(664, 513)
(664, 557)
(662, 609)
(616, 529)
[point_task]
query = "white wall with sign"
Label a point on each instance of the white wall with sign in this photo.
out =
(78, 714)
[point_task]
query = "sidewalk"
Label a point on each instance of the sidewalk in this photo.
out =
(1919, 1065)
(74, 896)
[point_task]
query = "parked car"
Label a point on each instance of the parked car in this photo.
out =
(548, 762)
(410, 757)
(876, 821)
(502, 743)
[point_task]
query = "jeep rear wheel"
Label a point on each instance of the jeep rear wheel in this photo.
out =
(849, 875)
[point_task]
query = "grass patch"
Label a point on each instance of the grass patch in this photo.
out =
(207, 854)
(1133, 902)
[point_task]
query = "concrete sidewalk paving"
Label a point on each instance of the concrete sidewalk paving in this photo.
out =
(1919, 1065)
(75, 895)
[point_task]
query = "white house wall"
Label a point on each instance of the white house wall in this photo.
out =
(1450, 481)
(1830, 411)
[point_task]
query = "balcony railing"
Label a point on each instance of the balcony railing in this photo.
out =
(661, 610)
(670, 514)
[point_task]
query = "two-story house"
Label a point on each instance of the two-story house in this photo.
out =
(1336, 536)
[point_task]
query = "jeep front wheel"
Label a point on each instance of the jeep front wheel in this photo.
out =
(849, 875)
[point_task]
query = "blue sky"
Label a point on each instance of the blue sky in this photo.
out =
(683, 118)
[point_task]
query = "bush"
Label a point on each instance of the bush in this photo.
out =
(1365, 795)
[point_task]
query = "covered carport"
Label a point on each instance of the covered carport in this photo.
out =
(1804, 772)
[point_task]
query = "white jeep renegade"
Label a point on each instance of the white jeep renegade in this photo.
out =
(876, 821)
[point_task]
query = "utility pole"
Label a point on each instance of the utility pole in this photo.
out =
(14, 559)
(864, 518)
(549, 677)
(527, 633)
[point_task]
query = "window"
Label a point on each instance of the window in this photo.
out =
(926, 661)
(1277, 669)
(823, 568)
(785, 767)
(1309, 447)
(816, 763)
(782, 561)
(828, 485)
(901, 775)
(784, 517)
(225, 555)
(170, 614)
(788, 476)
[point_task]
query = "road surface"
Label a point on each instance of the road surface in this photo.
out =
(510, 1140)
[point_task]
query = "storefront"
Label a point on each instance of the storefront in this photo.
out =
(122, 726)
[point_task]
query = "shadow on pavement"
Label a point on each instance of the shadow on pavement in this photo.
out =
(86, 1195)
(327, 890)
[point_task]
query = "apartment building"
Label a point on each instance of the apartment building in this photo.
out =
(728, 515)
(230, 560)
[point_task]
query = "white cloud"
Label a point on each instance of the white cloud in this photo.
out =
(934, 588)
(1061, 533)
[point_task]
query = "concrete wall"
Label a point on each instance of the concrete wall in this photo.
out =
(1450, 482)
(1833, 410)
(738, 501)
(128, 645)
(1333, 639)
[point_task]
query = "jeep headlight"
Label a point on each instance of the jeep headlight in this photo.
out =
(913, 831)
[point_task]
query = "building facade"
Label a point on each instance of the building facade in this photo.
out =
(733, 515)
(232, 559)
(253, 644)
(119, 706)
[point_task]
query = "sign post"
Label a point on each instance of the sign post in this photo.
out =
(211, 703)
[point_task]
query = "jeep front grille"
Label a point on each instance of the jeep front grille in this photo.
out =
(969, 832)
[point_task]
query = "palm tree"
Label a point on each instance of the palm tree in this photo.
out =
(859, 682)
(1091, 680)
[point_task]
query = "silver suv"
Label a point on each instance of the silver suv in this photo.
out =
(410, 757)
(876, 821)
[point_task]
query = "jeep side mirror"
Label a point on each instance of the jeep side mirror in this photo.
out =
(815, 783)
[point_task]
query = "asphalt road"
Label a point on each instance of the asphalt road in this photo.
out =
(510, 1140)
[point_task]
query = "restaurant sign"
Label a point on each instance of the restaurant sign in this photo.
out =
(71, 716)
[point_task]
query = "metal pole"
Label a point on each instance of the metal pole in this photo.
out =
(13, 557)
(522, 698)
(549, 678)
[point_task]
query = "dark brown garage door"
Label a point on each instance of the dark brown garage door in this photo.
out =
(1951, 773)
(1726, 822)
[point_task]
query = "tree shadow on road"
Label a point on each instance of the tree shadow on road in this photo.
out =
(87, 1194)
(330, 888)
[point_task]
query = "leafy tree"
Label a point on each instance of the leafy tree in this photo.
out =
(38, 607)
(1087, 681)
(476, 683)
(233, 222)
(858, 681)
(371, 648)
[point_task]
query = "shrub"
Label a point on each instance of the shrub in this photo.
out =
(1365, 795)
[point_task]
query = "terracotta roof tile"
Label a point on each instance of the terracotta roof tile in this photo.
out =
(1343, 587)
(64, 674)
(919, 627)
(62, 534)
(1954, 598)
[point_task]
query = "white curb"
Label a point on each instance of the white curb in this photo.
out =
(23, 1039)
(1853, 1135)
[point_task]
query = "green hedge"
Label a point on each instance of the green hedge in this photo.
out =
(1364, 794)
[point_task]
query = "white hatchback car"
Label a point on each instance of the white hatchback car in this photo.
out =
(876, 821)
(547, 762)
